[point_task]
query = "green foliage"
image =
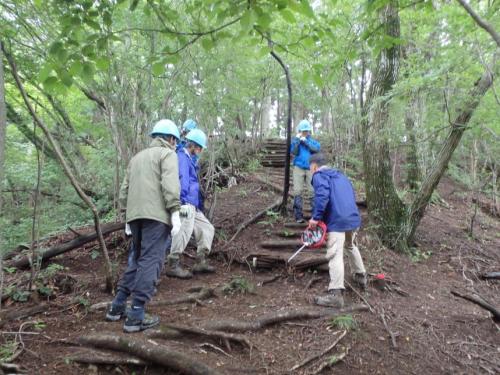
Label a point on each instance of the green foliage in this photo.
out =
(253, 165)
(7, 350)
(238, 285)
(344, 322)
(418, 256)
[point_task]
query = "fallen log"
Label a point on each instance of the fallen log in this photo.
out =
(279, 317)
(478, 300)
(157, 354)
(68, 246)
(172, 331)
(95, 357)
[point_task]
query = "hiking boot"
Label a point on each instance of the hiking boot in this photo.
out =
(300, 220)
(360, 279)
(115, 313)
(332, 299)
(174, 269)
(201, 266)
(136, 325)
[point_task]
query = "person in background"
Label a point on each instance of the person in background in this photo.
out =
(192, 218)
(335, 204)
(150, 192)
(188, 125)
(302, 147)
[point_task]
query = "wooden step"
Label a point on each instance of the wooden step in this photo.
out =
(282, 244)
(295, 225)
(288, 233)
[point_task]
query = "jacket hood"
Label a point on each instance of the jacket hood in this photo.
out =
(328, 171)
(158, 142)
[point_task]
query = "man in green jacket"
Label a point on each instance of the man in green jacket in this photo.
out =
(150, 192)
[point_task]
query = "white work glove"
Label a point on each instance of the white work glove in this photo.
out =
(303, 139)
(128, 231)
(186, 211)
(299, 135)
(176, 223)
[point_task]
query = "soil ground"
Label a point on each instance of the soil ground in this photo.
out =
(436, 333)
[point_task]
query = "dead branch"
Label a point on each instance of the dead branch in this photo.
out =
(491, 275)
(212, 346)
(360, 296)
(157, 354)
(279, 317)
(98, 357)
(11, 368)
(331, 361)
(478, 300)
(270, 280)
(312, 281)
(251, 220)
(312, 358)
(67, 246)
(393, 337)
(171, 331)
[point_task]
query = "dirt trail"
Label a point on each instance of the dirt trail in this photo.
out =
(434, 331)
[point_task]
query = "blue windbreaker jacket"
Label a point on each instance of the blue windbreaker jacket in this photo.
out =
(335, 201)
(302, 151)
(188, 176)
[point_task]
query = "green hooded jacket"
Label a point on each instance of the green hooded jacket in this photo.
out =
(151, 189)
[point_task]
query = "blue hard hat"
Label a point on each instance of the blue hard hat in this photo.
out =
(304, 126)
(166, 127)
(198, 137)
(189, 125)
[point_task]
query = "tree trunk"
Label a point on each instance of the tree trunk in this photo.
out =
(286, 183)
(67, 171)
(458, 127)
(413, 174)
(384, 206)
(3, 133)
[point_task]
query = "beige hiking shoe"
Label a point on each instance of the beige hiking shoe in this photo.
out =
(334, 298)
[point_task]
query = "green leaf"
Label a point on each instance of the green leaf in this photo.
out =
(102, 63)
(246, 19)
(76, 68)
(303, 8)
(133, 5)
(87, 73)
(50, 83)
(264, 51)
(65, 77)
(158, 68)
(264, 20)
(288, 16)
(207, 43)
(172, 59)
(317, 79)
(45, 72)
(55, 48)
(106, 18)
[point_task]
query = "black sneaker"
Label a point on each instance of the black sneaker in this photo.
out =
(136, 325)
(115, 313)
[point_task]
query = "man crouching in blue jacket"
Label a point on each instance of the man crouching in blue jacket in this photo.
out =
(335, 204)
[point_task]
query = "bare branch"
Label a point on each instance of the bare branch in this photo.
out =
(480, 22)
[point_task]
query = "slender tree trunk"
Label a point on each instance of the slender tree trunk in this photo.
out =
(286, 183)
(384, 205)
(413, 173)
(458, 127)
(67, 171)
(3, 133)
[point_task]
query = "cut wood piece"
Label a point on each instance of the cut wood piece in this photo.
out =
(478, 300)
(67, 246)
(150, 352)
(171, 331)
(279, 317)
(98, 357)
(491, 275)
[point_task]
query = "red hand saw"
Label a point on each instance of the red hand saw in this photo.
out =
(313, 238)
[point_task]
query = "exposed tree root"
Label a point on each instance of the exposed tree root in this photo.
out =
(98, 357)
(478, 300)
(157, 354)
(9, 315)
(171, 331)
(330, 362)
(198, 294)
(279, 317)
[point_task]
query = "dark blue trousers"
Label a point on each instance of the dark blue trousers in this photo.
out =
(146, 258)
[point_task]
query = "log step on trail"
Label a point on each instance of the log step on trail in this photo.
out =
(291, 244)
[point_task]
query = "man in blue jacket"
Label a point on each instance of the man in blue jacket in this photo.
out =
(302, 147)
(335, 204)
(192, 218)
